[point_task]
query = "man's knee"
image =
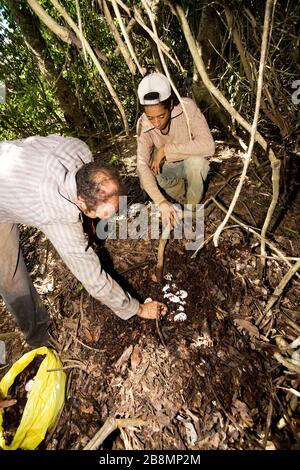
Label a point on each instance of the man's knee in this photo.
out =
(173, 187)
(197, 166)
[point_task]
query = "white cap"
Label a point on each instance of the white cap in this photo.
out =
(154, 83)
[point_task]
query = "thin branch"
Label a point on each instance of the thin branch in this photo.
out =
(129, 27)
(150, 15)
(165, 49)
(80, 28)
(110, 425)
(251, 230)
(197, 57)
(122, 5)
(91, 53)
(122, 46)
(126, 37)
(275, 165)
(262, 63)
(281, 286)
(63, 33)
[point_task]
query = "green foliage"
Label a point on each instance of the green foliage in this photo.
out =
(30, 107)
(115, 159)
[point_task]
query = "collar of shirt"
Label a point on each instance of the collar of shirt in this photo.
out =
(69, 188)
(176, 111)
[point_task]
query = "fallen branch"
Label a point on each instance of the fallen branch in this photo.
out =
(110, 425)
(159, 331)
(251, 230)
(275, 165)
(279, 289)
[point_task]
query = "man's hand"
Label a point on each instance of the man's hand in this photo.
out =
(168, 213)
(152, 310)
(156, 161)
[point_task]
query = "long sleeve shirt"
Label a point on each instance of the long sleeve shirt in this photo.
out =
(38, 188)
(177, 143)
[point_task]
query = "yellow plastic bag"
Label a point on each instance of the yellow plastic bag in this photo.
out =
(44, 400)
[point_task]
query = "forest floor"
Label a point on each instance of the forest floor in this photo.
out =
(209, 381)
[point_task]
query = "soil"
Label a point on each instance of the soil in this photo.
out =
(210, 381)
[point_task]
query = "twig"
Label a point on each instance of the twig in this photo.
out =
(159, 331)
(96, 62)
(279, 289)
(161, 56)
(159, 271)
(135, 266)
(290, 258)
(80, 28)
(75, 366)
(126, 37)
(110, 425)
(291, 365)
(165, 49)
(208, 239)
(251, 230)
(268, 423)
(121, 45)
(254, 124)
(275, 165)
(122, 5)
(85, 345)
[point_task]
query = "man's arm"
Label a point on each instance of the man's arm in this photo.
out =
(70, 243)
(202, 144)
(147, 179)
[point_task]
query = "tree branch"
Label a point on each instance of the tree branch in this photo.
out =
(121, 45)
(91, 53)
(166, 70)
(264, 47)
(126, 37)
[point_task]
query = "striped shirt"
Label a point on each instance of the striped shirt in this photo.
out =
(38, 188)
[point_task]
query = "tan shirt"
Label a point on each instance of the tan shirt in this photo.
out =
(178, 145)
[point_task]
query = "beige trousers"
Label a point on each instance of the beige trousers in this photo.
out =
(18, 291)
(191, 172)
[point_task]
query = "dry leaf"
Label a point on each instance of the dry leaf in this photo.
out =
(136, 357)
(242, 409)
(248, 326)
(124, 358)
(88, 335)
(89, 409)
(97, 333)
(7, 403)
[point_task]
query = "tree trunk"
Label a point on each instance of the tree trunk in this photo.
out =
(209, 38)
(68, 102)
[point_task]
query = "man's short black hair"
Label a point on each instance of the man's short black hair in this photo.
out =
(91, 181)
(168, 104)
